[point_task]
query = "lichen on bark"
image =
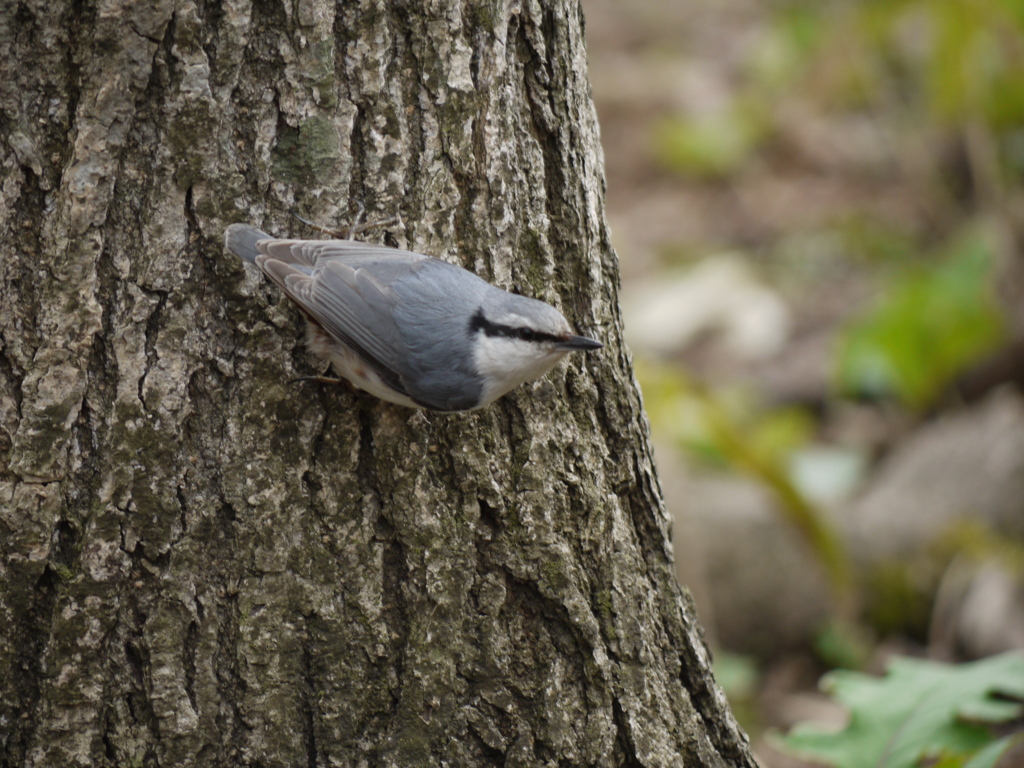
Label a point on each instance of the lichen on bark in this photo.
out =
(204, 564)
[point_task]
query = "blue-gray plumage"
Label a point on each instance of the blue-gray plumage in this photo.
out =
(408, 328)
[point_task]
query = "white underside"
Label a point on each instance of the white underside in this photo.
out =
(351, 366)
(504, 364)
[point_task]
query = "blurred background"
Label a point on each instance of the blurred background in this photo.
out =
(819, 208)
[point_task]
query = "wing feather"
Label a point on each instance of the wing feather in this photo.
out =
(360, 292)
(329, 297)
(316, 253)
(354, 306)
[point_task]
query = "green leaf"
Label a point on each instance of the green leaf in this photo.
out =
(916, 712)
(989, 756)
(927, 327)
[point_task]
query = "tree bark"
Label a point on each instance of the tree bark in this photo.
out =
(205, 564)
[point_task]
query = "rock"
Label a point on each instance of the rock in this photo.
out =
(979, 610)
(757, 587)
(720, 295)
(965, 466)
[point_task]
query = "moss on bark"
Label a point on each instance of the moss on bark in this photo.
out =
(207, 565)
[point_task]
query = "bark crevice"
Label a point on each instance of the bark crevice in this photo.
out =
(208, 565)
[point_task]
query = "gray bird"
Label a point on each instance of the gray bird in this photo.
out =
(408, 328)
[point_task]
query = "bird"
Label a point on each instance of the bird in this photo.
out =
(408, 328)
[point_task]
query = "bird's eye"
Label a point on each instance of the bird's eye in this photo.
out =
(526, 334)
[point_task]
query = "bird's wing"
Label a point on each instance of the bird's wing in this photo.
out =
(394, 308)
(346, 288)
(318, 253)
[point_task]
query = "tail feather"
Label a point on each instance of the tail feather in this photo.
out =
(241, 240)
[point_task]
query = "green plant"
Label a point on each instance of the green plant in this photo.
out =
(711, 146)
(740, 679)
(724, 428)
(928, 325)
(920, 713)
(965, 59)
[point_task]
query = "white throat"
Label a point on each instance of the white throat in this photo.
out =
(505, 363)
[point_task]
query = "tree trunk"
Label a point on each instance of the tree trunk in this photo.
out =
(205, 564)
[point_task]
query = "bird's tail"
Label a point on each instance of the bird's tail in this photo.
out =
(241, 240)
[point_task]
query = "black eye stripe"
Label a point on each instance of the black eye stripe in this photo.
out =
(480, 323)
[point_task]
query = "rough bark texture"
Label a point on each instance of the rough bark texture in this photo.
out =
(203, 564)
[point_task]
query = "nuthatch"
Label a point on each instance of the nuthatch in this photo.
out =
(408, 328)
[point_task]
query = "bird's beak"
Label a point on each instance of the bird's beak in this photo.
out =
(578, 343)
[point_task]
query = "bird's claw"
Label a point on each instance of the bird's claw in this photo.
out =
(317, 379)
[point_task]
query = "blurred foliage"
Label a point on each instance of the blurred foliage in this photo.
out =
(938, 64)
(979, 542)
(737, 674)
(842, 644)
(921, 712)
(725, 429)
(874, 243)
(711, 146)
(959, 59)
(899, 594)
(929, 96)
(740, 679)
(699, 420)
(949, 61)
(930, 323)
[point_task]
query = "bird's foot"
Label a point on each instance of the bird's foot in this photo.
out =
(317, 379)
